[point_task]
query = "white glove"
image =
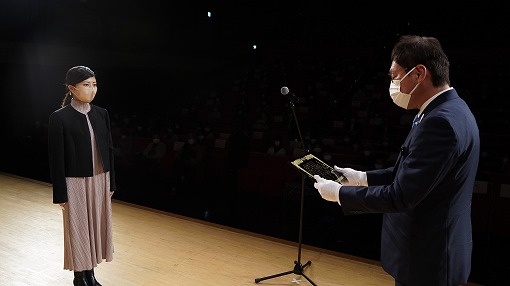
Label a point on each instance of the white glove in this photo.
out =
(328, 189)
(354, 178)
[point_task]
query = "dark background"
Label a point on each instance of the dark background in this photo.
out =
(165, 65)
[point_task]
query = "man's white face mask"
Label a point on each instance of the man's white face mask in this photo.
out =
(399, 98)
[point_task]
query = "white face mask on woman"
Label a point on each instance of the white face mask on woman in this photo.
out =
(399, 98)
(84, 91)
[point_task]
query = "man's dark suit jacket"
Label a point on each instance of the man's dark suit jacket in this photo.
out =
(70, 149)
(426, 234)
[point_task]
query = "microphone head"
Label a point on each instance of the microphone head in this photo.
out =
(284, 90)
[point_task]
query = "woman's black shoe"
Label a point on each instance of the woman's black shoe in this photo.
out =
(91, 278)
(80, 280)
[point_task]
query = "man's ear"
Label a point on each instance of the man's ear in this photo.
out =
(420, 69)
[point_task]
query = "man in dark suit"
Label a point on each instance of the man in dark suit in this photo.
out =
(426, 234)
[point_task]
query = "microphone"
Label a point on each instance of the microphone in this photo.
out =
(291, 96)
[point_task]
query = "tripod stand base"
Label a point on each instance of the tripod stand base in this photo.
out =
(298, 270)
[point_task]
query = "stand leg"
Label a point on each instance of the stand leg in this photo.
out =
(298, 270)
(257, 280)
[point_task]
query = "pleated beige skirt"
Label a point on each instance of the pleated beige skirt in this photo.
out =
(88, 222)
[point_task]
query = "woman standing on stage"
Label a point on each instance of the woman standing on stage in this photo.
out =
(82, 174)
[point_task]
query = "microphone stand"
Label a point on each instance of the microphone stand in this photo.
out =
(298, 266)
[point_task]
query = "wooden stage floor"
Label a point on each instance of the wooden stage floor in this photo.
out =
(158, 248)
